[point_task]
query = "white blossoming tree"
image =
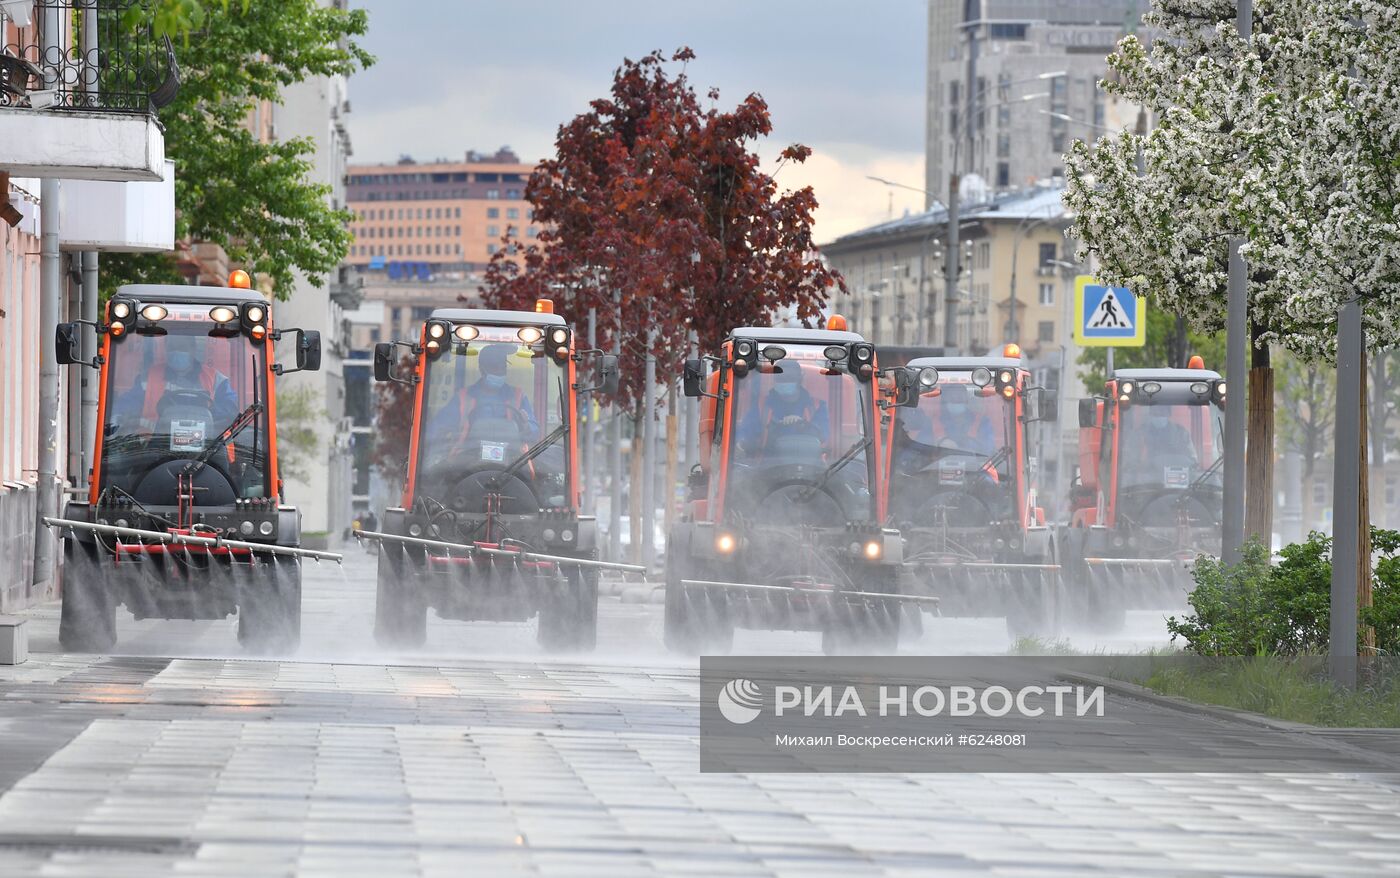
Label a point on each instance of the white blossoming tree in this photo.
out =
(1290, 140)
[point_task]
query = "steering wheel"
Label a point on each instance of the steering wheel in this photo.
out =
(1163, 508)
(188, 399)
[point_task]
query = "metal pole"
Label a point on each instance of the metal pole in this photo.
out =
(648, 428)
(590, 465)
(1346, 496)
(73, 378)
(50, 302)
(1237, 344)
(692, 417)
(89, 376)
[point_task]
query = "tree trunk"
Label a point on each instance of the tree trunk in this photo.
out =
(1377, 416)
(1363, 552)
(1259, 457)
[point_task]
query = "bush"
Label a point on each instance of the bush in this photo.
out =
(1255, 608)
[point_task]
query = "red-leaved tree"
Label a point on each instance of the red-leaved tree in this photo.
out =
(657, 213)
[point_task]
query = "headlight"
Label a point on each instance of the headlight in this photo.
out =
(121, 522)
(121, 309)
(265, 528)
(1126, 387)
(246, 528)
(873, 549)
(415, 530)
(436, 330)
(466, 333)
(835, 353)
(222, 314)
(154, 312)
(1005, 376)
(744, 348)
(117, 328)
(1151, 387)
(256, 314)
(981, 376)
(566, 535)
(1200, 388)
(527, 334)
(928, 376)
(549, 535)
(725, 543)
(559, 336)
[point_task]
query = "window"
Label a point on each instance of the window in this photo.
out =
(1003, 145)
(1004, 31)
(531, 232)
(512, 213)
(1057, 142)
(456, 213)
(984, 255)
(491, 249)
(1003, 116)
(1047, 254)
(1047, 294)
(493, 213)
(493, 231)
(1003, 175)
(1047, 331)
(513, 194)
(530, 214)
(493, 194)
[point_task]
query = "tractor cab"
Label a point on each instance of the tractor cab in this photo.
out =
(493, 466)
(787, 498)
(1150, 463)
(961, 481)
(1149, 495)
(186, 452)
(962, 487)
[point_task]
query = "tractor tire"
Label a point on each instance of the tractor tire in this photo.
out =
(569, 614)
(269, 607)
(400, 615)
(88, 619)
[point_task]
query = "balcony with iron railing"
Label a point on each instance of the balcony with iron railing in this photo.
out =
(81, 82)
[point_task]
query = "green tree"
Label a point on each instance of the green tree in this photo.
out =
(1156, 353)
(252, 198)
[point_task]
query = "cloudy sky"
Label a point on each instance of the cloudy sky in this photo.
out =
(845, 78)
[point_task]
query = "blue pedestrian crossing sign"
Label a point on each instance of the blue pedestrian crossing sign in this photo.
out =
(1108, 316)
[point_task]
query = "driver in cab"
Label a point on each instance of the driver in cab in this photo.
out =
(788, 409)
(181, 370)
(1162, 439)
(477, 408)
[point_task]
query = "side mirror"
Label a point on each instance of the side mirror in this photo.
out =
(694, 378)
(383, 361)
(905, 392)
(1088, 413)
(66, 344)
(307, 353)
(608, 376)
(308, 350)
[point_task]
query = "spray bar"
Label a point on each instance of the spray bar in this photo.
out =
(1137, 562)
(523, 555)
(811, 591)
(190, 539)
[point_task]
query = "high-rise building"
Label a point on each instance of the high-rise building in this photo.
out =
(438, 216)
(1027, 71)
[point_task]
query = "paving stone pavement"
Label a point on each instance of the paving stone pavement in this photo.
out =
(480, 756)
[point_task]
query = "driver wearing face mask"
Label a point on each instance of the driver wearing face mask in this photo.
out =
(960, 428)
(490, 397)
(786, 409)
(181, 369)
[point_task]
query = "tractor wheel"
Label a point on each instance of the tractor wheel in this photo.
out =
(400, 615)
(569, 614)
(269, 606)
(88, 620)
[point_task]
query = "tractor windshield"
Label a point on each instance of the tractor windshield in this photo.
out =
(800, 451)
(1169, 445)
(487, 404)
(174, 388)
(954, 456)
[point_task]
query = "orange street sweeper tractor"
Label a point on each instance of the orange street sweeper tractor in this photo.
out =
(962, 489)
(185, 517)
(783, 526)
(490, 527)
(1149, 496)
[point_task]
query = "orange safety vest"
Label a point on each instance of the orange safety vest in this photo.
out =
(466, 405)
(809, 413)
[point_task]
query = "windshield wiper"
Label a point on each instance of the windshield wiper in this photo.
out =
(1196, 482)
(836, 465)
(534, 450)
(240, 423)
